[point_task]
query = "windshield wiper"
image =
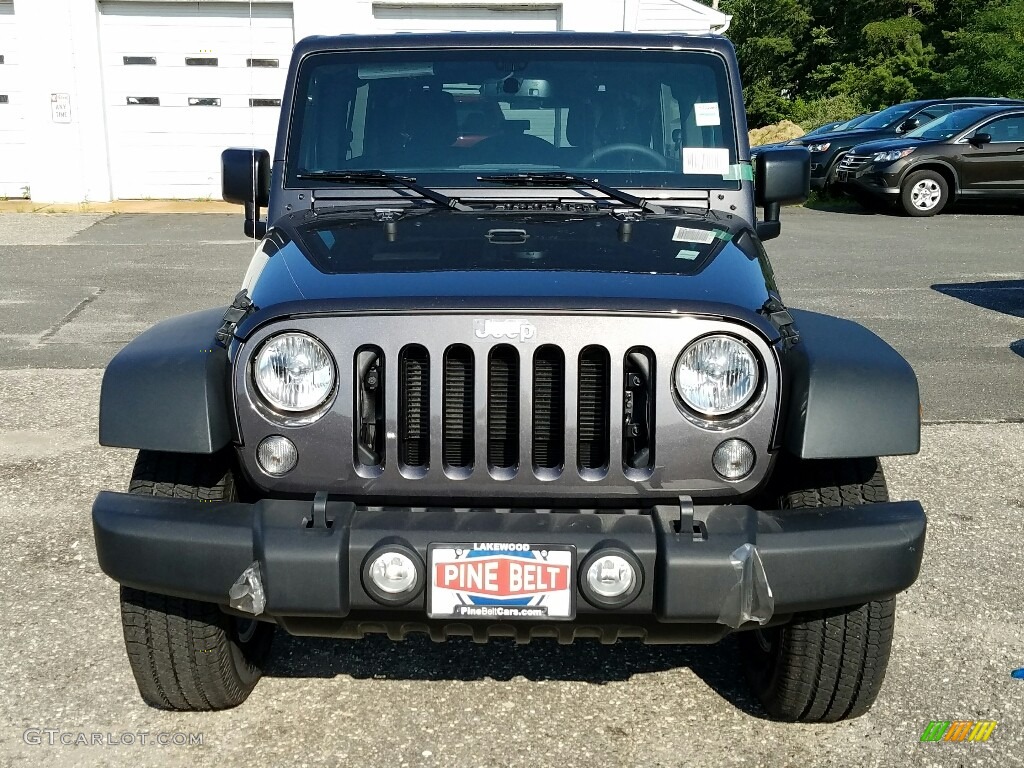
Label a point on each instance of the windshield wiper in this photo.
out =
(380, 177)
(569, 180)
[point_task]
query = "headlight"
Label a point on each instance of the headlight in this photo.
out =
(892, 155)
(294, 372)
(823, 147)
(716, 375)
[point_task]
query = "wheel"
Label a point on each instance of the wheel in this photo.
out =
(826, 665)
(185, 654)
(924, 193)
(657, 162)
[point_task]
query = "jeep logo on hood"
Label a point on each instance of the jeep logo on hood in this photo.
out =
(519, 330)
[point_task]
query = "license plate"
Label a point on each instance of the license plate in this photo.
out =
(843, 175)
(500, 581)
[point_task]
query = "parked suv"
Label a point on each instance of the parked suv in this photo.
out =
(544, 385)
(970, 153)
(826, 151)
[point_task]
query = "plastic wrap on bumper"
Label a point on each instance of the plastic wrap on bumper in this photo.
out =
(750, 598)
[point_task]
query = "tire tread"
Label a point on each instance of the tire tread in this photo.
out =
(830, 665)
(182, 652)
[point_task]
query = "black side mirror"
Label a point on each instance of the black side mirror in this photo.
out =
(782, 176)
(979, 140)
(908, 125)
(245, 180)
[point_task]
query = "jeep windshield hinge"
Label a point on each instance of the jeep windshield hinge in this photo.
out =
(240, 307)
(779, 316)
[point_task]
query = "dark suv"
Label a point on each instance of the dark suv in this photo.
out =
(539, 385)
(827, 150)
(970, 153)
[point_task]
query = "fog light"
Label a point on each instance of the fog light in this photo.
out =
(611, 577)
(394, 573)
(733, 459)
(277, 455)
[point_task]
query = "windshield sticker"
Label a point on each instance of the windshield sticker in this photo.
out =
(383, 71)
(740, 172)
(706, 161)
(688, 255)
(689, 235)
(707, 114)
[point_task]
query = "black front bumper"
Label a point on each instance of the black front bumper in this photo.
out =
(311, 563)
(883, 182)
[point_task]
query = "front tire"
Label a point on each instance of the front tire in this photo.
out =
(824, 666)
(924, 193)
(189, 655)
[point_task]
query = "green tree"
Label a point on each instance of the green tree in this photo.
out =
(987, 56)
(769, 37)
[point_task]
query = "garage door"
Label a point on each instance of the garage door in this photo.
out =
(13, 152)
(182, 82)
(395, 17)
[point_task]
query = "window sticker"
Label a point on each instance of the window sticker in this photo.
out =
(711, 161)
(689, 235)
(688, 255)
(707, 113)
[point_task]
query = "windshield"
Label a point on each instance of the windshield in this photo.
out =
(948, 125)
(639, 118)
(888, 117)
(854, 122)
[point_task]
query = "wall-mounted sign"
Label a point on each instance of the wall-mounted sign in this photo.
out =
(60, 107)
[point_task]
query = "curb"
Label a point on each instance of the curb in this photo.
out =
(120, 206)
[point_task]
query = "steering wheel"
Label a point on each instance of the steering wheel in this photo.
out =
(659, 162)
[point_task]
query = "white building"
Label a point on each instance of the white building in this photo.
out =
(123, 99)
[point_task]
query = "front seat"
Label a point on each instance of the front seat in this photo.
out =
(425, 128)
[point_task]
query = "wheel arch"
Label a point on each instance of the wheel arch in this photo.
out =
(851, 395)
(167, 390)
(947, 171)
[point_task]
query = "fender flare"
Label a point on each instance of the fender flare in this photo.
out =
(926, 165)
(167, 389)
(850, 393)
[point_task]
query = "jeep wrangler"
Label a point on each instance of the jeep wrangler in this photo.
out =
(510, 361)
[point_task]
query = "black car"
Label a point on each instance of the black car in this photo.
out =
(826, 151)
(841, 125)
(539, 385)
(971, 153)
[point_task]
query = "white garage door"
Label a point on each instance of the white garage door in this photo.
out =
(182, 82)
(395, 17)
(13, 152)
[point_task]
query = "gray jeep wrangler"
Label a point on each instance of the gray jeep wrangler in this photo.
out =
(510, 361)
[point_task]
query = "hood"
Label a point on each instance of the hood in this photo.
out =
(439, 257)
(853, 136)
(883, 145)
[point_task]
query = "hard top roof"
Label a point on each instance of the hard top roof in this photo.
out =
(573, 40)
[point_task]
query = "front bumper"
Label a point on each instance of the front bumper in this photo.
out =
(880, 180)
(820, 165)
(311, 561)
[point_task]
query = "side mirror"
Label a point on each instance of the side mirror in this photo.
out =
(782, 176)
(908, 125)
(245, 180)
(979, 140)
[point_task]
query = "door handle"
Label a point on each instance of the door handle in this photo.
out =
(1020, 150)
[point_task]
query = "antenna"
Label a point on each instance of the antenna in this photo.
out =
(252, 122)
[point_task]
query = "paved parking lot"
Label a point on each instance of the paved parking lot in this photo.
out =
(947, 292)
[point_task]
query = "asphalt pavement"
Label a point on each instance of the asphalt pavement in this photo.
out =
(947, 292)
